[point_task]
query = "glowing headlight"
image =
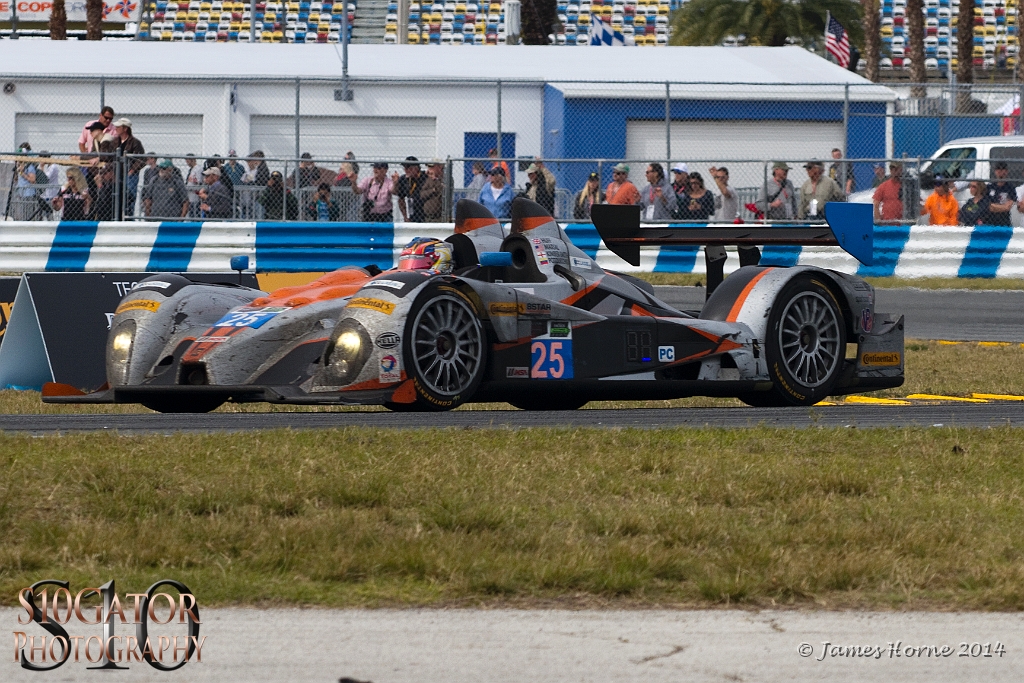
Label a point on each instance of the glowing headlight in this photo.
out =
(119, 352)
(348, 352)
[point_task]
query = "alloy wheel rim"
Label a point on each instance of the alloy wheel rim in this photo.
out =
(809, 339)
(446, 345)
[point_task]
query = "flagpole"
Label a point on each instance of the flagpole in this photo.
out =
(828, 20)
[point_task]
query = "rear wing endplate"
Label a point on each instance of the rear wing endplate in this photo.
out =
(850, 226)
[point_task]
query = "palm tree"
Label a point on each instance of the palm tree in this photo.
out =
(58, 21)
(915, 32)
(964, 53)
(872, 38)
(764, 22)
(93, 19)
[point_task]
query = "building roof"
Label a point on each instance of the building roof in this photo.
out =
(746, 69)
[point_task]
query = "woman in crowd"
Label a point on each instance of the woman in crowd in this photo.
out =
(74, 197)
(698, 204)
(497, 196)
(590, 194)
(376, 192)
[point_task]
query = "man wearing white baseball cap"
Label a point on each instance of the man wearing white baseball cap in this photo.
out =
(129, 144)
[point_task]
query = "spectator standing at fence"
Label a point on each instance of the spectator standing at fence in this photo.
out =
(497, 196)
(376, 193)
(106, 121)
(74, 199)
(590, 194)
(777, 197)
(214, 197)
(25, 207)
(193, 180)
(496, 162)
(350, 157)
(308, 174)
(1002, 196)
(48, 176)
(479, 177)
(538, 189)
(941, 205)
(407, 189)
(275, 197)
(975, 210)
(103, 193)
(817, 191)
(727, 202)
(698, 204)
(657, 199)
(259, 172)
(620, 190)
(93, 134)
(879, 176)
(165, 196)
(149, 172)
(232, 169)
(888, 196)
(838, 169)
(432, 193)
(680, 182)
(323, 207)
(129, 144)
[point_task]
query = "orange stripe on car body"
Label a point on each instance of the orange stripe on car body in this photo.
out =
(638, 310)
(576, 296)
(471, 224)
(742, 298)
(530, 222)
(337, 284)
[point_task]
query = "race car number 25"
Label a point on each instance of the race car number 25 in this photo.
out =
(551, 359)
(250, 318)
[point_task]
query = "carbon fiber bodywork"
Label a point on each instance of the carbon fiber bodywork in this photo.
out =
(546, 327)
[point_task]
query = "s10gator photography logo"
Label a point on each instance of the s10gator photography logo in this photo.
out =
(164, 651)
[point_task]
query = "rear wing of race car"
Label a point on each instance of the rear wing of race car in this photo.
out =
(850, 226)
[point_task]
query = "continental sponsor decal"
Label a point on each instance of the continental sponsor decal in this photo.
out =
(385, 307)
(503, 308)
(138, 305)
(883, 358)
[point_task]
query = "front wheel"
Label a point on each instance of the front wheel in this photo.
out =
(806, 345)
(445, 349)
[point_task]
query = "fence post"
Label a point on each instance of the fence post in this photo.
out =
(252, 24)
(118, 180)
(103, 92)
(668, 126)
(449, 190)
(498, 146)
(846, 137)
(298, 88)
(764, 216)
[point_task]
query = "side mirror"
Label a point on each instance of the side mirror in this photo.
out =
(495, 258)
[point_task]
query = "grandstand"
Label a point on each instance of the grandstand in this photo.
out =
(994, 34)
(469, 23)
(226, 21)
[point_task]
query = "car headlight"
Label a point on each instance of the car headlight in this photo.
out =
(119, 352)
(347, 351)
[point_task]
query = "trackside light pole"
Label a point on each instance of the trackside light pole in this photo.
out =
(346, 94)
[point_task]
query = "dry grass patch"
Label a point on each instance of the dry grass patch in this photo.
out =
(840, 518)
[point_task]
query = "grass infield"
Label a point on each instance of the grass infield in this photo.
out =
(922, 519)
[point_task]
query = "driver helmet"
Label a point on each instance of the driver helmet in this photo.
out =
(426, 253)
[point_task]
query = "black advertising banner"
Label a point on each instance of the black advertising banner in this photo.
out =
(58, 329)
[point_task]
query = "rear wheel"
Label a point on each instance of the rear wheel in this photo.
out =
(806, 345)
(445, 350)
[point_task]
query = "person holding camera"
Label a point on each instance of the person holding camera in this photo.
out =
(376, 192)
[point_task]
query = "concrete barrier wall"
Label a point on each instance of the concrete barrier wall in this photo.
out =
(904, 251)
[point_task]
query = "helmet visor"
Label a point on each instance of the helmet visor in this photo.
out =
(415, 262)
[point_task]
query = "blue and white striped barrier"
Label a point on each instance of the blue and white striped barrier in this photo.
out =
(904, 251)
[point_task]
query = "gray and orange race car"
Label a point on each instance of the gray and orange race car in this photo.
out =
(523, 317)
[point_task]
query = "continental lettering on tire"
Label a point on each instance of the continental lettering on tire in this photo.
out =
(881, 358)
(138, 305)
(781, 380)
(436, 401)
(385, 307)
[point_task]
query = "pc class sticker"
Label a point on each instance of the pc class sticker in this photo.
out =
(390, 370)
(666, 354)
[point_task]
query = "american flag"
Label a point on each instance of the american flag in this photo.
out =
(837, 43)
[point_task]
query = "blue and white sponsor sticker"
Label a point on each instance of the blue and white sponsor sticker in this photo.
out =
(250, 317)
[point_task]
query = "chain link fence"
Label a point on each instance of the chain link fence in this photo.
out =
(576, 127)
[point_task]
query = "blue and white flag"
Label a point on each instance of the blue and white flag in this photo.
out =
(602, 34)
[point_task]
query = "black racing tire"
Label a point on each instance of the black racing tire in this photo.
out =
(192, 404)
(805, 345)
(549, 403)
(444, 349)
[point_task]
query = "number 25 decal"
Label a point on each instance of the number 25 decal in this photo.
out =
(551, 359)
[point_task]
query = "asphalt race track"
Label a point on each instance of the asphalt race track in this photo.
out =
(862, 416)
(951, 314)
